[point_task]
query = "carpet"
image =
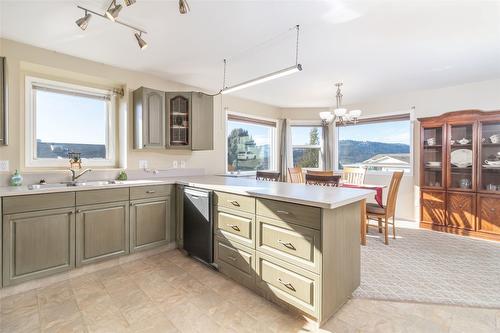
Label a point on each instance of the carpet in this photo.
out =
(431, 267)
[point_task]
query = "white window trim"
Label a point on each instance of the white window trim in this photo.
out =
(274, 143)
(30, 125)
(305, 123)
(375, 116)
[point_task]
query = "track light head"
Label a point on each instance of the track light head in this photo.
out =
(142, 43)
(183, 7)
(113, 11)
(129, 2)
(83, 22)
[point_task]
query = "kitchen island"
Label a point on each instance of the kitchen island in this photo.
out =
(295, 244)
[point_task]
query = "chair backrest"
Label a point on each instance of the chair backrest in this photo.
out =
(268, 175)
(295, 175)
(323, 180)
(319, 173)
(393, 193)
(354, 175)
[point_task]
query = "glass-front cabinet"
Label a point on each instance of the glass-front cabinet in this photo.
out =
(433, 156)
(462, 150)
(489, 157)
(178, 106)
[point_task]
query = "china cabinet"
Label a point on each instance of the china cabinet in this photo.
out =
(460, 173)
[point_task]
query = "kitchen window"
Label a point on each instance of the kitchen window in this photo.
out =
(251, 144)
(63, 118)
(379, 144)
(307, 143)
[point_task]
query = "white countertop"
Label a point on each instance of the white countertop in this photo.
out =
(311, 195)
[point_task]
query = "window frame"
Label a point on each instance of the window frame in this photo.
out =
(306, 123)
(273, 150)
(31, 161)
(377, 119)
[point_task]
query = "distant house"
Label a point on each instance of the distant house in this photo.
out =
(385, 162)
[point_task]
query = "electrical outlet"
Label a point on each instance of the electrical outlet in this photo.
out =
(4, 166)
(143, 164)
(183, 164)
(174, 164)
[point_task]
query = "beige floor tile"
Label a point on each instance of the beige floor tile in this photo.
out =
(62, 317)
(55, 294)
(154, 324)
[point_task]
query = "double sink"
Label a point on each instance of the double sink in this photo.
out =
(72, 184)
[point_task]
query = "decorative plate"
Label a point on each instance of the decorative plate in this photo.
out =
(461, 157)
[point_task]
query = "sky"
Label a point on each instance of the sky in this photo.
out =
(387, 132)
(300, 135)
(70, 119)
(260, 134)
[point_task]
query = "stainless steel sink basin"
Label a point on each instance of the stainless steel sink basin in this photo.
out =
(71, 184)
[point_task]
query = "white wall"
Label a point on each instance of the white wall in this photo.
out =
(483, 95)
(23, 60)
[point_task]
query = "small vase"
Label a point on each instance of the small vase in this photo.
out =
(16, 179)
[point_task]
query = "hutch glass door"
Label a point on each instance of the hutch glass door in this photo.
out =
(490, 157)
(461, 157)
(433, 152)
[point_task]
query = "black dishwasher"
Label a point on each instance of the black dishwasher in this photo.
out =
(198, 224)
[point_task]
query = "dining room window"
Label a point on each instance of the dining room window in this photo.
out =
(378, 144)
(63, 118)
(307, 143)
(251, 144)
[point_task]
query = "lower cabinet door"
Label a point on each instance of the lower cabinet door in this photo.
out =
(461, 210)
(150, 221)
(102, 232)
(37, 244)
(488, 212)
(433, 205)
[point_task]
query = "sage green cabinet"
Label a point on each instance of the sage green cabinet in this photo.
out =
(3, 102)
(37, 244)
(102, 232)
(179, 216)
(149, 118)
(151, 221)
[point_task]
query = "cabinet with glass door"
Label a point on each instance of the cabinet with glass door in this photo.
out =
(489, 157)
(433, 156)
(461, 145)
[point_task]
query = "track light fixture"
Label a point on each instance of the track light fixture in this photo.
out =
(183, 7)
(83, 22)
(113, 10)
(129, 3)
(142, 43)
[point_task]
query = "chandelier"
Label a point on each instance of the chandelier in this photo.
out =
(340, 115)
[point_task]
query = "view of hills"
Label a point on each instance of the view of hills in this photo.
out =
(61, 150)
(351, 151)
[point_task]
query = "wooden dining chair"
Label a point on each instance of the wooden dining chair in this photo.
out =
(268, 175)
(354, 176)
(323, 180)
(295, 175)
(383, 214)
(319, 173)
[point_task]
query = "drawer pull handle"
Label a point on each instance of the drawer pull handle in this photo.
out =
(282, 212)
(150, 191)
(232, 258)
(234, 203)
(235, 227)
(287, 284)
(287, 244)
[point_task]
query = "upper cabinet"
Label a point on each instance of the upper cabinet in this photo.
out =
(149, 118)
(173, 120)
(3, 102)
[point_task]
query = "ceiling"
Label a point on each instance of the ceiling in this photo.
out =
(376, 47)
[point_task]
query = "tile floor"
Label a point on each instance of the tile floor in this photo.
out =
(169, 292)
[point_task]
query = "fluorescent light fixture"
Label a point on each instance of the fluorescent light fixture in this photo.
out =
(83, 22)
(265, 78)
(142, 43)
(113, 11)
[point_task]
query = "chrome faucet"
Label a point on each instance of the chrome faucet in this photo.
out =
(75, 176)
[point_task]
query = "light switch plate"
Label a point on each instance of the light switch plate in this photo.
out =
(143, 164)
(174, 164)
(4, 166)
(183, 164)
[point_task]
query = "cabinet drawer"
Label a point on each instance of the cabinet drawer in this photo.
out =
(290, 242)
(235, 201)
(28, 203)
(235, 261)
(150, 191)
(102, 196)
(299, 214)
(288, 283)
(238, 226)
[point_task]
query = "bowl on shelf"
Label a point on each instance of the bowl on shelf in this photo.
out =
(452, 142)
(463, 141)
(433, 164)
(490, 162)
(431, 141)
(495, 138)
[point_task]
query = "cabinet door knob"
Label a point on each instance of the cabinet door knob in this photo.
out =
(78, 211)
(492, 209)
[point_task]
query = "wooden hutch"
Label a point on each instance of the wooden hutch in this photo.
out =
(460, 173)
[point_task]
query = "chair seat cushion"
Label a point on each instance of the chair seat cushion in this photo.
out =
(373, 208)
